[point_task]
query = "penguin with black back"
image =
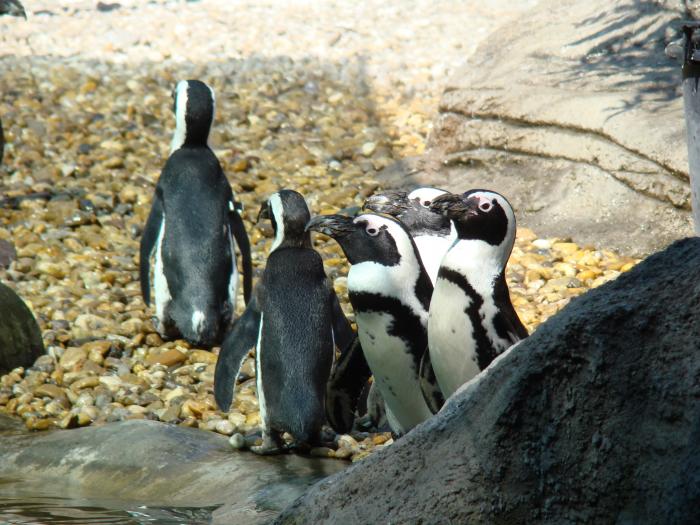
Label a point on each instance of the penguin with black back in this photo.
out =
(432, 232)
(12, 8)
(293, 321)
(390, 294)
(472, 319)
(194, 231)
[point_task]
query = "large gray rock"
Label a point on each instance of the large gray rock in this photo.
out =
(575, 113)
(20, 337)
(593, 419)
(150, 463)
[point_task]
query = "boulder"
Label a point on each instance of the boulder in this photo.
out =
(142, 462)
(595, 418)
(20, 337)
(576, 115)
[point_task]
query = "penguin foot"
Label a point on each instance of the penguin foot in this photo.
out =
(262, 450)
(269, 446)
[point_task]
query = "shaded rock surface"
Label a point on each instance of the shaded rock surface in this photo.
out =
(155, 464)
(20, 337)
(593, 419)
(575, 113)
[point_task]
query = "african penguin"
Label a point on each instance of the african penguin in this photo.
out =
(193, 231)
(12, 8)
(293, 321)
(471, 317)
(390, 294)
(432, 232)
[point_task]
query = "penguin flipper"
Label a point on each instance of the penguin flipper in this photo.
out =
(343, 334)
(429, 385)
(148, 244)
(345, 385)
(243, 243)
(242, 337)
(508, 316)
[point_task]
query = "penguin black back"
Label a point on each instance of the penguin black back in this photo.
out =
(193, 222)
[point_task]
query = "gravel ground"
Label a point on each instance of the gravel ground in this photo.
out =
(318, 98)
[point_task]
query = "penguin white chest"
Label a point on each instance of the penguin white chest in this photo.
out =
(451, 337)
(393, 368)
(432, 249)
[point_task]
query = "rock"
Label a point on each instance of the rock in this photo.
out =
(72, 358)
(162, 464)
(7, 253)
(20, 337)
(168, 358)
(556, 111)
(551, 431)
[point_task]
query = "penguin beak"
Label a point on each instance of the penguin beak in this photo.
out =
(331, 225)
(452, 205)
(390, 202)
(264, 212)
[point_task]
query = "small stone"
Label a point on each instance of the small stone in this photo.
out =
(168, 358)
(368, 148)
(72, 357)
(224, 426)
(86, 382)
(202, 356)
(237, 441)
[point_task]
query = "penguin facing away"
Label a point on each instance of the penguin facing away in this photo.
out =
(472, 319)
(432, 232)
(390, 294)
(193, 231)
(292, 320)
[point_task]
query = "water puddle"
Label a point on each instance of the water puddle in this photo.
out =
(44, 510)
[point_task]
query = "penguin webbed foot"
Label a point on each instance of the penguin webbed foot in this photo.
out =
(271, 444)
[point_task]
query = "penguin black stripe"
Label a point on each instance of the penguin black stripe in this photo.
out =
(485, 352)
(406, 324)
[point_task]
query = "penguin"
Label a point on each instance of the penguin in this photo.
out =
(432, 232)
(193, 231)
(12, 8)
(293, 321)
(472, 319)
(390, 294)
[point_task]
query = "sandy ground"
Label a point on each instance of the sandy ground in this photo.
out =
(416, 44)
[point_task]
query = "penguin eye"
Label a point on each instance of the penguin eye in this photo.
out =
(485, 206)
(426, 203)
(371, 230)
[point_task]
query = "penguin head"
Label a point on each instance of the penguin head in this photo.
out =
(367, 238)
(412, 209)
(194, 105)
(12, 8)
(480, 215)
(288, 212)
